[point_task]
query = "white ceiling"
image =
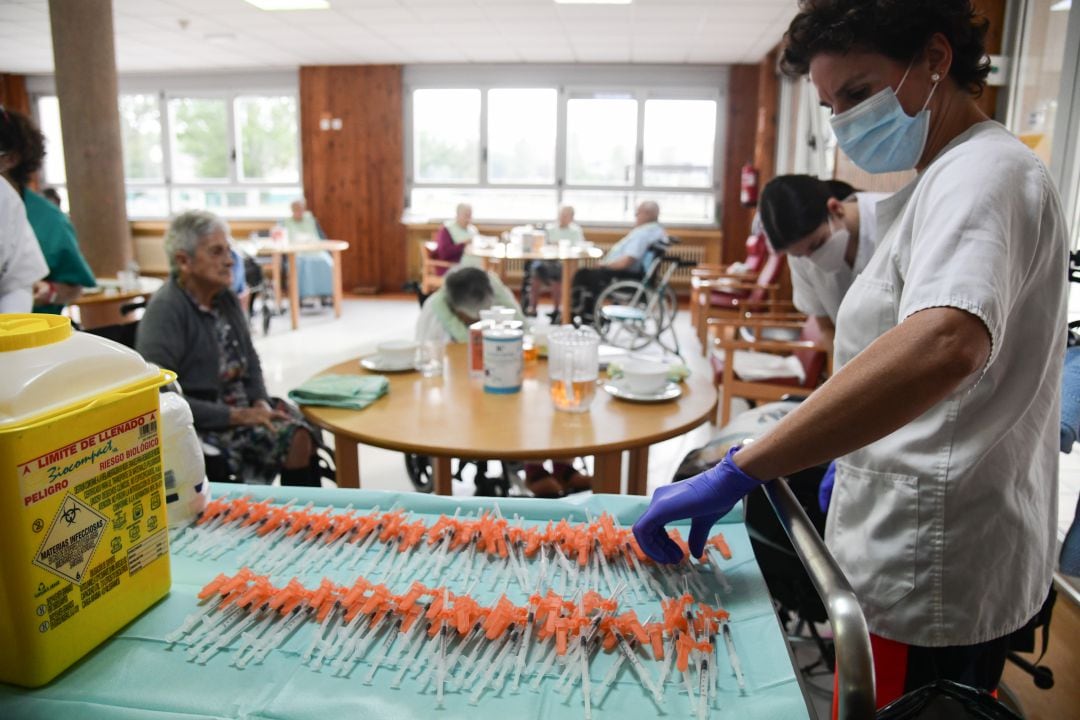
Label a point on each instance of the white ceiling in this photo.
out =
(169, 35)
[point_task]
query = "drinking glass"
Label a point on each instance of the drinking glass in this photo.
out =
(573, 367)
(431, 357)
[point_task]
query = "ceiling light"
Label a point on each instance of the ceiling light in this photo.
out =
(593, 2)
(283, 5)
(1061, 5)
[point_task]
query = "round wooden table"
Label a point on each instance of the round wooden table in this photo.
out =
(568, 256)
(276, 251)
(450, 416)
(100, 306)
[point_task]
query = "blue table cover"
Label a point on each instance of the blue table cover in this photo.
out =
(133, 675)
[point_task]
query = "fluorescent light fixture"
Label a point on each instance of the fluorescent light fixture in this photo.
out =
(593, 2)
(1061, 5)
(284, 5)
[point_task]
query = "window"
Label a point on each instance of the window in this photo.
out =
(1033, 110)
(140, 128)
(446, 131)
(266, 139)
(49, 122)
(679, 139)
(518, 153)
(200, 139)
(521, 136)
(601, 137)
(235, 154)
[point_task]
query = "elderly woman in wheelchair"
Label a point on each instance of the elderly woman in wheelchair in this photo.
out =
(195, 326)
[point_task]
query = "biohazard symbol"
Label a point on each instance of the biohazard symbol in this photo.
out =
(71, 513)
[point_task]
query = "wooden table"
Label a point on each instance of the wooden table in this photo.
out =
(452, 417)
(100, 306)
(567, 256)
(277, 251)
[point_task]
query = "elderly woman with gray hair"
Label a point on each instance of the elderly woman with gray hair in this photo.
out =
(194, 326)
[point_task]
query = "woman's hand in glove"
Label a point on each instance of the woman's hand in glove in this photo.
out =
(704, 498)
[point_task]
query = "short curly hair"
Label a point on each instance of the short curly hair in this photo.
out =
(898, 29)
(19, 134)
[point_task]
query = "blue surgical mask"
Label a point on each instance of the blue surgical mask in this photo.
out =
(879, 136)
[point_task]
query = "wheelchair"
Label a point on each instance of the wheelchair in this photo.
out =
(633, 314)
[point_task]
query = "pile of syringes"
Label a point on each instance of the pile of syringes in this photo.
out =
(397, 614)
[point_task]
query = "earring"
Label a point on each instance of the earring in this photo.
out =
(936, 77)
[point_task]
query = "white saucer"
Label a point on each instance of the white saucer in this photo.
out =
(376, 363)
(617, 387)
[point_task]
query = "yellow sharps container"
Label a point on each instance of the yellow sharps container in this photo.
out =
(83, 528)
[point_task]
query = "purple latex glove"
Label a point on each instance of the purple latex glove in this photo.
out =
(824, 492)
(704, 498)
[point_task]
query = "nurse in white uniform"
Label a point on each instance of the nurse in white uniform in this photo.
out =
(828, 231)
(945, 411)
(21, 260)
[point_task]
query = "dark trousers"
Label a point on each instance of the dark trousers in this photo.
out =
(587, 286)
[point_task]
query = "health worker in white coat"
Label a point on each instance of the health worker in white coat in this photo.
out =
(829, 233)
(944, 414)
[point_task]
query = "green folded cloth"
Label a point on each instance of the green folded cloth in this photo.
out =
(354, 392)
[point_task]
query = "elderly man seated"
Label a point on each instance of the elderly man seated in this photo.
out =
(446, 316)
(194, 326)
(623, 261)
(543, 275)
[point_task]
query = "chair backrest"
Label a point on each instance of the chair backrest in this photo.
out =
(769, 275)
(757, 251)
(650, 261)
(812, 361)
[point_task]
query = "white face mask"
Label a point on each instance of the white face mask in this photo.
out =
(830, 256)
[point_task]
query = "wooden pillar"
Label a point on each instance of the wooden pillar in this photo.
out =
(85, 59)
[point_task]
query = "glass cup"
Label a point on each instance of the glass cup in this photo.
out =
(573, 367)
(431, 357)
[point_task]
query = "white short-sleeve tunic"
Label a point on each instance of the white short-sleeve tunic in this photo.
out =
(946, 526)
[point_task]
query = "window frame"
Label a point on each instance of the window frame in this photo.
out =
(565, 91)
(163, 94)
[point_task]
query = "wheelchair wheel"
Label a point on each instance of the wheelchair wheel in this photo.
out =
(420, 471)
(629, 315)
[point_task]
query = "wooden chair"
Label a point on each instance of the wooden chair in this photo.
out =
(811, 351)
(732, 296)
(757, 251)
(431, 270)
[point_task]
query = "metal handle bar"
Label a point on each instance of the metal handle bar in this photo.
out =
(854, 661)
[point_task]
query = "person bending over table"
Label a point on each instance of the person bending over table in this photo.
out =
(623, 261)
(314, 270)
(829, 233)
(22, 150)
(543, 275)
(446, 316)
(944, 414)
(454, 236)
(194, 326)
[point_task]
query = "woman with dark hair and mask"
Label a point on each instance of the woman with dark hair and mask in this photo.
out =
(828, 231)
(944, 413)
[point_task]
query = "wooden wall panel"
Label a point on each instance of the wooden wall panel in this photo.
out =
(740, 146)
(13, 93)
(767, 116)
(354, 177)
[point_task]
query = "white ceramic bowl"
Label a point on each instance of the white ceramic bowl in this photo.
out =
(645, 377)
(397, 352)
